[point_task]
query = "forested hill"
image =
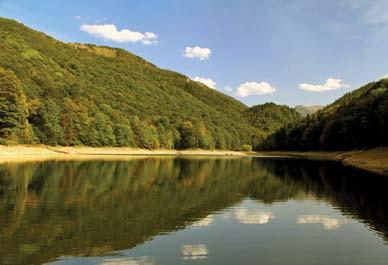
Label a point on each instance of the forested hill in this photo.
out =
(270, 117)
(70, 94)
(357, 120)
(81, 94)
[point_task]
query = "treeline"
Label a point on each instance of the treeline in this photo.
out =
(73, 123)
(355, 121)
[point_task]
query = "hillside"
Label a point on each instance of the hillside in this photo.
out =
(72, 94)
(270, 117)
(357, 120)
(307, 110)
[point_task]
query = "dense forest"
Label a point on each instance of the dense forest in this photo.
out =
(71, 94)
(59, 93)
(357, 120)
(270, 117)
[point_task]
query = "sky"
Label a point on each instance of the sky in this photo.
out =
(288, 52)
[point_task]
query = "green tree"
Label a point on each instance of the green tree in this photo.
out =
(48, 123)
(188, 135)
(13, 108)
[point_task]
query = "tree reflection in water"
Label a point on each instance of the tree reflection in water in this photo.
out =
(89, 208)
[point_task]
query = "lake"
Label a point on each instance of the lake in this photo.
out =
(191, 210)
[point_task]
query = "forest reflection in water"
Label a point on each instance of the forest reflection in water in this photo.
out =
(90, 208)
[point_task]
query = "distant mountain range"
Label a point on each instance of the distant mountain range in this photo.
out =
(307, 110)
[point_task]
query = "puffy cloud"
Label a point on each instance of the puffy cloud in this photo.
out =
(253, 88)
(328, 223)
(385, 76)
(330, 84)
(246, 216)
(110, 32)
(197, 52)
(206, 81)
(194, 252)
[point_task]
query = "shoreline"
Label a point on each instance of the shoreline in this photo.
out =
(372, 160)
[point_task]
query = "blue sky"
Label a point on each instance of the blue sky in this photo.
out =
(289, 52)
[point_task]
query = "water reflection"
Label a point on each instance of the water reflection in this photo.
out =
(329, 223)
(91, 208)
(249, 216)
(194, 252)
(129, 261)
(205, 222)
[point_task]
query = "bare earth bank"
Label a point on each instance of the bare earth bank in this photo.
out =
(375, 160)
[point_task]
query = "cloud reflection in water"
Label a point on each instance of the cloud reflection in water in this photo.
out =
(129, 261)
(204, 222)
(246, 216)
(194, 252)
(329, 223)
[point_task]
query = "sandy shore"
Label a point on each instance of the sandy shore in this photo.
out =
(374, 160)
(25, 153)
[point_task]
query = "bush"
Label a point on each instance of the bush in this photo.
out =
(246, 148)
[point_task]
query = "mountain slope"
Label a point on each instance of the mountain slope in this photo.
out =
(270, 117)
(357, 120)
(85, 94)
(307, 110)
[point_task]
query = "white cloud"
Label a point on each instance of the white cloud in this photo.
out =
(194, 252)
(246, 216)
(385, 76)
(253, 88)
(197, 52)
(228, 89)
(328, 223)
(110, 32)
(206, 81)
(330, 84)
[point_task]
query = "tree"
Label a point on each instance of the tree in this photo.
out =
(188, 136)
(13, 108)
(48, 123)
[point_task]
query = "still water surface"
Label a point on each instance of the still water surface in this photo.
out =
(166, 210)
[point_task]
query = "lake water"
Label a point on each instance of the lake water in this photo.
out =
(171, 210)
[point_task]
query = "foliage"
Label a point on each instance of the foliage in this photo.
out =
(100, 96)
(246, 148)
(13, 108)
(357, 120)
(269, 117)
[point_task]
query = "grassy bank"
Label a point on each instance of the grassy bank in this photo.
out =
(374, 160)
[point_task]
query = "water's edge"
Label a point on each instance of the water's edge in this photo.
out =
(372, 160)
